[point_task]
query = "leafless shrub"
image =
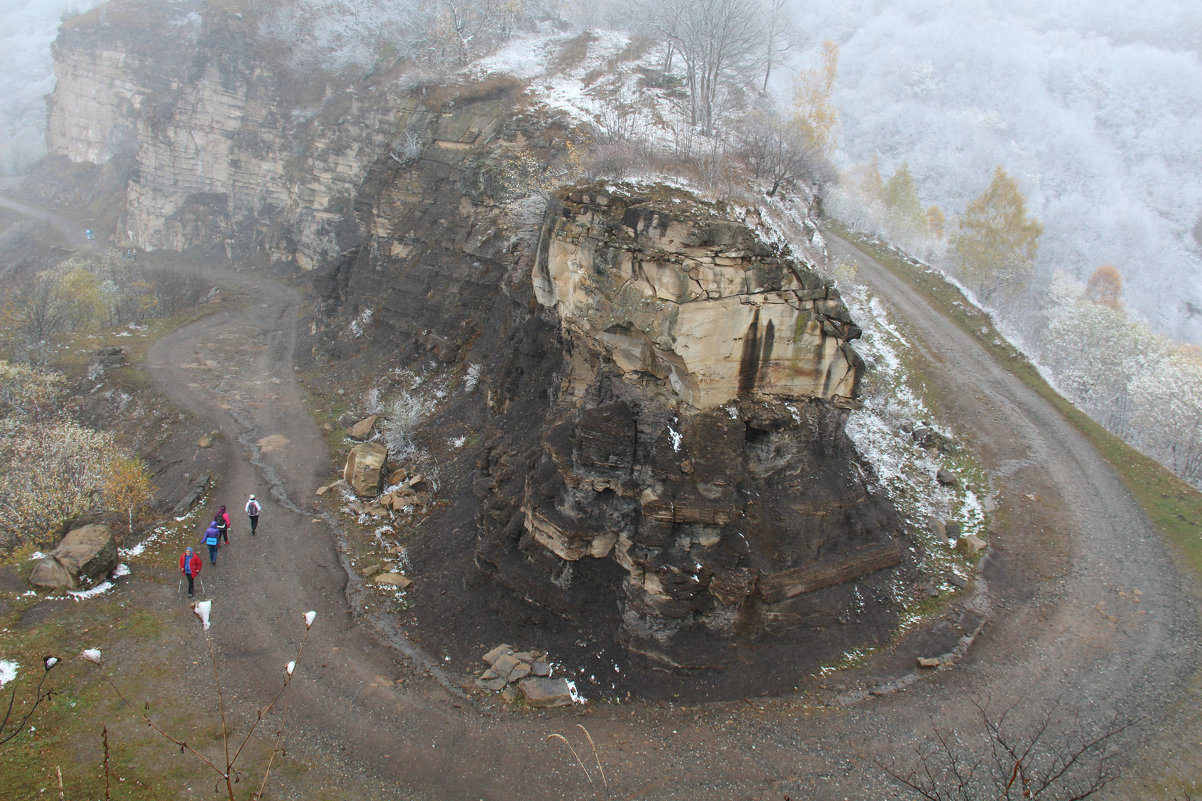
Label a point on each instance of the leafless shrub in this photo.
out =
(224, 766)
(9, 727)
(1053, 757)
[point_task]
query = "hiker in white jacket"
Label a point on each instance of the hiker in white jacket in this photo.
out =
(252, 511)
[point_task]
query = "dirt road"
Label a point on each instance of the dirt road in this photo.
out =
(1086, 607)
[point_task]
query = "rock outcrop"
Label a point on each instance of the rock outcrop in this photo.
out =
(697, 438)
(657, 427)
(672, 290)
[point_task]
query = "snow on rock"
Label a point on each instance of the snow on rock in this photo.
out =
(8, 671)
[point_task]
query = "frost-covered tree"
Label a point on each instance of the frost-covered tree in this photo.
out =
(780, 36)
(1095, 352)
(51, 468)
(1167, 415)
(997, 242)
(777, 149)
(49, 475)
(720, 43)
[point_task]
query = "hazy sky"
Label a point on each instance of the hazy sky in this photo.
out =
(1095, 107)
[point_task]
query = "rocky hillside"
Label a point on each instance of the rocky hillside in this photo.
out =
(657, 396)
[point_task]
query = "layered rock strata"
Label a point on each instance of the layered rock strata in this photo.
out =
(697, 441)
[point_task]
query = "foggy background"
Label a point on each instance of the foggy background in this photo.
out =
(1095, 108)
(27, 27)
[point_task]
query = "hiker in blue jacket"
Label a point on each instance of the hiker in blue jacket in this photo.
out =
(212, 538)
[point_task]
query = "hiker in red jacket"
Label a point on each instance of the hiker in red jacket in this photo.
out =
(222, 519)
(190, 564)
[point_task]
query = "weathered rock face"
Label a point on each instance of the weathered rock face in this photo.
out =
(84, 556)
(226, 147)
(679, 293)
(691, 446)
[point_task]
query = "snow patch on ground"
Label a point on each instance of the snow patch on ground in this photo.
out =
(8, 671)
(882, 431)
(99, 589)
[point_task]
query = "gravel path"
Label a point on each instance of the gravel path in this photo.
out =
(1087, 608)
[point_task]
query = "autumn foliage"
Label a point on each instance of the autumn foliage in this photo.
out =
(1105, 286)
(53, 470)
(997, 242)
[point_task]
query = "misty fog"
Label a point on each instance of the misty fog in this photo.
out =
(1096, 108)
(27, 75)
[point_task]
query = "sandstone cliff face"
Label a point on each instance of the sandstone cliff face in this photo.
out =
(225, 146)
(674, 290)
(690, 445)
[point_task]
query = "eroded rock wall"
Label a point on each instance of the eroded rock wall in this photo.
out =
(689, 445)
(225, 146)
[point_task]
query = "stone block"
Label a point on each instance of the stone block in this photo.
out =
(546, 693)
(393, 580)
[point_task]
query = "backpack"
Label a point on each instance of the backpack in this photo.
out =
(252, 509)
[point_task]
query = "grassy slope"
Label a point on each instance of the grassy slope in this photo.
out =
(1174, 506)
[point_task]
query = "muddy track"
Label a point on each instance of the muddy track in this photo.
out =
(1085, 606)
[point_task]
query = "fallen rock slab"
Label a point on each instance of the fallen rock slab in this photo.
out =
(393, 580)
(362, 429)
(363, 468)
(970, 544)
(84, 556)
(492, 656)
(543, 693)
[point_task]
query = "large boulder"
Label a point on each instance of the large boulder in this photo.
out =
(85, 556)
(363, 468)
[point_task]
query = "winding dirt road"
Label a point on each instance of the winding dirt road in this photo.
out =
(1087, 608)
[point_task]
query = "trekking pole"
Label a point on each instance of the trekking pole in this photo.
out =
(200, 581)
(179, 586)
